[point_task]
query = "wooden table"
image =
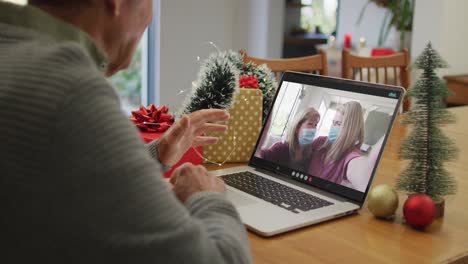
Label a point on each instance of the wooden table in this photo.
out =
(361, 238)
(458, 84)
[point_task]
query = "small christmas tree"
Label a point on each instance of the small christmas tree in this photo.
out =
(218, 81)
(427, 147)
(266, 83)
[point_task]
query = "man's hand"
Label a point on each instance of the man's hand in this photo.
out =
(189, 179)
(187, 133)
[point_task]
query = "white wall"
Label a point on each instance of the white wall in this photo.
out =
(275, 36)
(186, 27)
(369, 28)
(258, 27)
(444, 24)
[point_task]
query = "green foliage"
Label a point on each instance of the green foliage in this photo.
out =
(217, 82)
(266, 83)
(399, 14)
(215, 86)
(427, 147)
(315, 14)
(128, 82)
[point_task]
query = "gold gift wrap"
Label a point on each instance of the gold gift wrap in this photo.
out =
(238, 142)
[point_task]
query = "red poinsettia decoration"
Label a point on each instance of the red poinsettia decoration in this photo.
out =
(152, 119)
(248, 81)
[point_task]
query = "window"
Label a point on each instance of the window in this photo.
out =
(285, 111)
(136, 85)
(19, 2)
(319, 14)
(327, 112)
(129, 83)
(326, 123)
(139, 84)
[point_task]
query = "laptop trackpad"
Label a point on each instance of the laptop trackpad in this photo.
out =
(238, 199)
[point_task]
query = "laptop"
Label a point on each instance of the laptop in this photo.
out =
(281, 189)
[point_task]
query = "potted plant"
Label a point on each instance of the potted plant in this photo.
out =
(399, 14)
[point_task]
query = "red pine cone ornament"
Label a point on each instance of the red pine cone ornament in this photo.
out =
(152, 119)
(419, 210)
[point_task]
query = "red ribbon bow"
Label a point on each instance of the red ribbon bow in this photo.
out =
(152, 119)
(248, 82)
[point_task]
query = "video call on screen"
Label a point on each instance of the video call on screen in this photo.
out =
(326, 133)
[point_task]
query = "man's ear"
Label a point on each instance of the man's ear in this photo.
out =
(114, 7)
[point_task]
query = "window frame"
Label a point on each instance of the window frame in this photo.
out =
(151, 59)
(335, 32)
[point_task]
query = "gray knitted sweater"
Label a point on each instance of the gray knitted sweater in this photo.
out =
(77, 185)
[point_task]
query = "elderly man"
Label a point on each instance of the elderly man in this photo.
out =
(77, 185)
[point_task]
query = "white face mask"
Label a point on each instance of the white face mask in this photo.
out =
(308, 135)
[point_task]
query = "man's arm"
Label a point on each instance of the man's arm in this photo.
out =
(189, 131)
(153, 151)
(119, 207)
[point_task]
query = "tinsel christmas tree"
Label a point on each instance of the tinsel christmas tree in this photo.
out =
(266, 83)
(427, 147)
(216, 86)
(216, 73)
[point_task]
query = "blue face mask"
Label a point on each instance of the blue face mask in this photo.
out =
(333, 135)
(307, 136)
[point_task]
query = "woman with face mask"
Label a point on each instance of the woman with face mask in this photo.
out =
(334, 153)
(295, 151)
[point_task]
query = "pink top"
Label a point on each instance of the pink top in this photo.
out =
(333, 172)
(279, 153)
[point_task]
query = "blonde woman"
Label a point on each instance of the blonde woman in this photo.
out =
(295, 151)
(333, 154)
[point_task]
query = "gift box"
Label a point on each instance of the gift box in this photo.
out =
(190, 156)
(153, 122)
(238, 142)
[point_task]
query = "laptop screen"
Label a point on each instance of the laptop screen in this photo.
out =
(328, 132)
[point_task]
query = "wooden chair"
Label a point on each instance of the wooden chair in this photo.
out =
(310, 64)
(378, 69)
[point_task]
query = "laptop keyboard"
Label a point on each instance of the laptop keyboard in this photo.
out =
(274, 192)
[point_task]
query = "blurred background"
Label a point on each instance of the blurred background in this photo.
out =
(166, 63)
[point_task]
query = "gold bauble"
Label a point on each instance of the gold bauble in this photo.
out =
(382, 201)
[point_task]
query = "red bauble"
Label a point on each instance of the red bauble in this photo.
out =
(419, 210)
